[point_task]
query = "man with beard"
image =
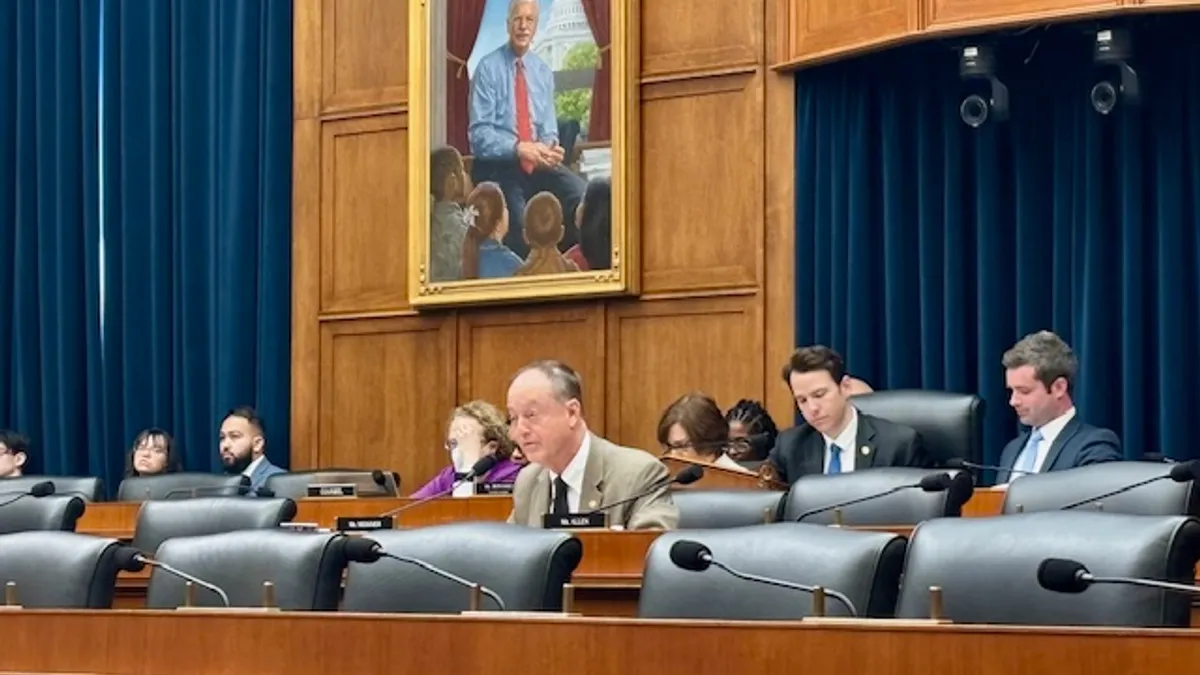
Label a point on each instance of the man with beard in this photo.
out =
(243, 447)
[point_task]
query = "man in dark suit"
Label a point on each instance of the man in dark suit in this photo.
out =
(1040, 372)
(836, 437)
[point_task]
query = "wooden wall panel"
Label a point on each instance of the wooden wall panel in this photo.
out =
(704, 231)
(374, 381)
(386, 388)
(838, 25)
(365, 60)
(494, 344)
(364, 197)
(680, 36)
(660, 350)
(940, 13)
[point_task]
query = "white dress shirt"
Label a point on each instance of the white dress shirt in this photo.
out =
(1050, 431)
(573, 476)
(846, 441)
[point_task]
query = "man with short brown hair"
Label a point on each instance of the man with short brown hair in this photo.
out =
(1040, 372)
(836, 437)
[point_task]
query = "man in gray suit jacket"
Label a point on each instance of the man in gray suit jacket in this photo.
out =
(243, 448)
(572, 470)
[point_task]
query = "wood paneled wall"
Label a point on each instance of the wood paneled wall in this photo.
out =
(373, 381)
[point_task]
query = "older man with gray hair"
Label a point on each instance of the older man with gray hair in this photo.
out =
(1040, 372)
(573, 471)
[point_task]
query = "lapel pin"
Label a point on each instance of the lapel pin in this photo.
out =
(592, 504)
(865, 450)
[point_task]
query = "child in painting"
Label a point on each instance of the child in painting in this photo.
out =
(594, 220)
(448, 186)
(544, 228)
(483, 256)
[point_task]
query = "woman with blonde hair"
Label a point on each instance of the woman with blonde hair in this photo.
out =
(474, 430)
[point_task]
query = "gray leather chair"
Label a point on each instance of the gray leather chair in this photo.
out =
(59, 570)
(41, 513)
(987, 568)
(368, 482)
(305, 567)
(950, 423)
(89, 488)
(526, 567)
(906, 507)
(863, 565)
(158, 521)
(715, 509)
(182, 486)
(1052, 490)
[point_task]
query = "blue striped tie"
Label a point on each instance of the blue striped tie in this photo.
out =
(1027, 461)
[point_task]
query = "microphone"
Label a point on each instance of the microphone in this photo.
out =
(212, 491)
(363, 550)
(1070, 576)
(686, 476)
(696, 557)
(957, 463)
(1180, 473)
(480, 468)
(934, 482)
(378, 478)
(37, 490)
(132, 560)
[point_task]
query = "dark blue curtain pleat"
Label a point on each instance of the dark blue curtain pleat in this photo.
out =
(197, 194)
(49, 228)
(924, 248)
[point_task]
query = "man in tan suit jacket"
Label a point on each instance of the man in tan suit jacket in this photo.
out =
(572, 470)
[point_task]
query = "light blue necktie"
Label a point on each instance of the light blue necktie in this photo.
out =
(1027, 461)
(835, 459)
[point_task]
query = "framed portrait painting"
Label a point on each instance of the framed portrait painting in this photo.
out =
(521, 146)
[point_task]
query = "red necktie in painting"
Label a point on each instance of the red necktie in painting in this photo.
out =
(524, 122)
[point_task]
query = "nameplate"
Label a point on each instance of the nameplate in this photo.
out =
(493, 488)
(351, 524)
(575, 521)
(332, 490)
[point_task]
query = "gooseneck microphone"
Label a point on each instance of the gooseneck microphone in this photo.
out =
(1180, 473)
(363, 550)
(207, 491)
(37, 490)
(132, 560)
(686, 476)
(957, 463)
(480, 468)
(1070, 576)
(694, 556)
(934, 482)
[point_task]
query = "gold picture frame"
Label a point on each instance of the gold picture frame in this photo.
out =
(443, 271)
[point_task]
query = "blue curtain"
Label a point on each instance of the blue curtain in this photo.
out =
(49, 232)
(196, 138)
(924, 248)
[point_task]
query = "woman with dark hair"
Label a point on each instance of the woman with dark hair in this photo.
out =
(153, 453)
(694, 430)
(749, 418)
(593, 218)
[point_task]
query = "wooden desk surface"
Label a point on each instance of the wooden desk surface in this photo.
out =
(195, 643)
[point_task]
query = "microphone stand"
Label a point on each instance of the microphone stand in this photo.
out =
(852, 502)
(1113, 493)
(817, 592)
(187, 577)
(452, 577)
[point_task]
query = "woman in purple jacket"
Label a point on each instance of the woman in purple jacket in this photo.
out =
(475, 430)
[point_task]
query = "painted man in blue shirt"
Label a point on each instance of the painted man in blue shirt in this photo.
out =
(513, 130)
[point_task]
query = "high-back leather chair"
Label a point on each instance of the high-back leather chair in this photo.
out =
(60, 570)
(987, 568)
(905, 507)
(305, 567)
(1053, 490)
(526, 567)
(184, 485)
(715, 509)
(950, 424)
(158, 521)
(863, 565)
(55, 512)
(368, 482)
(88, 488)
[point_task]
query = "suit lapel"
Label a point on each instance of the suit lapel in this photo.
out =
(591, 496)
(865, 453)
(539, 501)
(814, 453)
(1059, 443)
